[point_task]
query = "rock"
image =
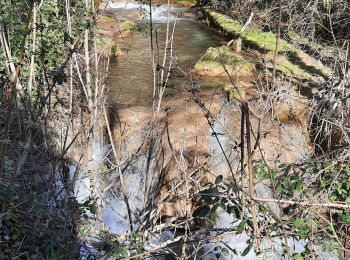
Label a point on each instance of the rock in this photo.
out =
(127, 26)
(239, 91)
(221, 62)
(287, 68)
(299, 64)
(312, 64)
(291, 107)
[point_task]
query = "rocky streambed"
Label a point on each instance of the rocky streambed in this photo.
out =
(167, 158)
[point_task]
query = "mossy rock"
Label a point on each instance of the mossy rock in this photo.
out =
(181, 3)
(310, 64)
(300, 64)
(106, 20)
(286, 67)
(214, 62)
(263, 41)
(186, 3)
(127, 26)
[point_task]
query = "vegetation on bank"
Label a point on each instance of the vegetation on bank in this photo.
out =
(52, 91)
(290, 60)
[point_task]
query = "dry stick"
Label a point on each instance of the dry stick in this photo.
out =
(69, 24)
(162, 83)
(171, 55)
(97, 86)
(21, 55)
(242, 160)
(119, 171)
(152, 52)
(87, 59)
(257, 145)
(31, 69)
(80, 77)
(176, 241)
(278, 36)
(24, 155)
(250, 172)
(291, 202)
(16, 84)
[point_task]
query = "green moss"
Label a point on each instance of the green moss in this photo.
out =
(224, 21)
(187, 3)
(215, 59)
(184, 3)
(284, 66)
(224, 55)
(266, 43)
(127, 26)
(106, 19)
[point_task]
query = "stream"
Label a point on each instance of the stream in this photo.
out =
(130, 76)
(130, 83)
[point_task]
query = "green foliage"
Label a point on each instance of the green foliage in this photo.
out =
(34, 223)
(51, 39)
(31, 228)
(132, 248)
(291, 182)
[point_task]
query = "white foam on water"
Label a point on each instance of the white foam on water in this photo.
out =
(159, 13)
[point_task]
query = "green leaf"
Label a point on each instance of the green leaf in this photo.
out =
(333, 197)
(202, 211)
(93, 209)
(279, 190)
(298, 186)
(273, 175)
(247, 249)
(348, 185)
(218, 179)
(241, 227)
(334, 253)
(345, 218)
(233, 210)
(225, 251)
(222, 205)
(327, 165)
(298, 222)
(213, 213)
(212, 190)
(297, 257)
(310, 223)
(120, 252)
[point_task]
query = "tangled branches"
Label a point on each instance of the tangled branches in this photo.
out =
(331, 114)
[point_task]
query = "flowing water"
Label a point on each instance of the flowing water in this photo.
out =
(130, 76)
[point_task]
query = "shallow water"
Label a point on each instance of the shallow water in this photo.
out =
(130, 78)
